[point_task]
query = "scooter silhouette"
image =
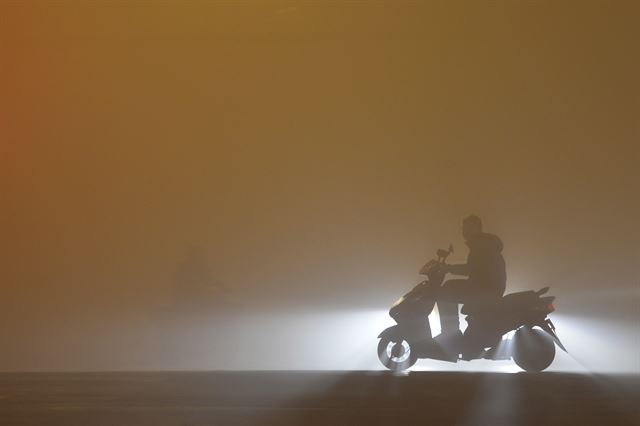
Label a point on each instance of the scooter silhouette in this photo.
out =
(532, 347)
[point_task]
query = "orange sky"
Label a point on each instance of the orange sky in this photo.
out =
(317, 151)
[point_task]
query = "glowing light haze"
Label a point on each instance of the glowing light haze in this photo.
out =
(318, 153)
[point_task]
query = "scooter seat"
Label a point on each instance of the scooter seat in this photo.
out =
(473, 308)
(508, 301)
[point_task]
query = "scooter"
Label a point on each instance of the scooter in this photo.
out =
(532, 346)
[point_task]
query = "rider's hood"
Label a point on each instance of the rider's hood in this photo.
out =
(485, 242)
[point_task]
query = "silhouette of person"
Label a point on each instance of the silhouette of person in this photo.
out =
(485, 269)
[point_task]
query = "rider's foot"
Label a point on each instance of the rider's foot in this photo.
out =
(473, 348)
(449, 335)
(451, 342)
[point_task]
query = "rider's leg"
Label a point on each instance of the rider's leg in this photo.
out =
(481, 331)
(451, 293)
(449, 321)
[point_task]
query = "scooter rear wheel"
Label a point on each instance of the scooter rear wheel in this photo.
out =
(533, 349)
(396, 353)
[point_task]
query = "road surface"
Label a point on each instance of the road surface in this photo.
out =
(317, 398)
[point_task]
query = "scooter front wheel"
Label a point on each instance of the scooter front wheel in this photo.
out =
(395, 353)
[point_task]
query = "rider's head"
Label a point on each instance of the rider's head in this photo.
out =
(471, 225)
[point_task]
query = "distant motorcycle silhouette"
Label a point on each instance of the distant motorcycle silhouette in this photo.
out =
(532, 347)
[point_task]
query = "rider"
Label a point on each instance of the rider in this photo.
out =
(485, 269)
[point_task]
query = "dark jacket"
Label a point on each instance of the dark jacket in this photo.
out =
(485, 265)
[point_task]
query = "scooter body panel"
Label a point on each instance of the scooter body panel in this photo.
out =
(484, 337)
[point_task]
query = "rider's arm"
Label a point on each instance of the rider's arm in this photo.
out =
(460, 269)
